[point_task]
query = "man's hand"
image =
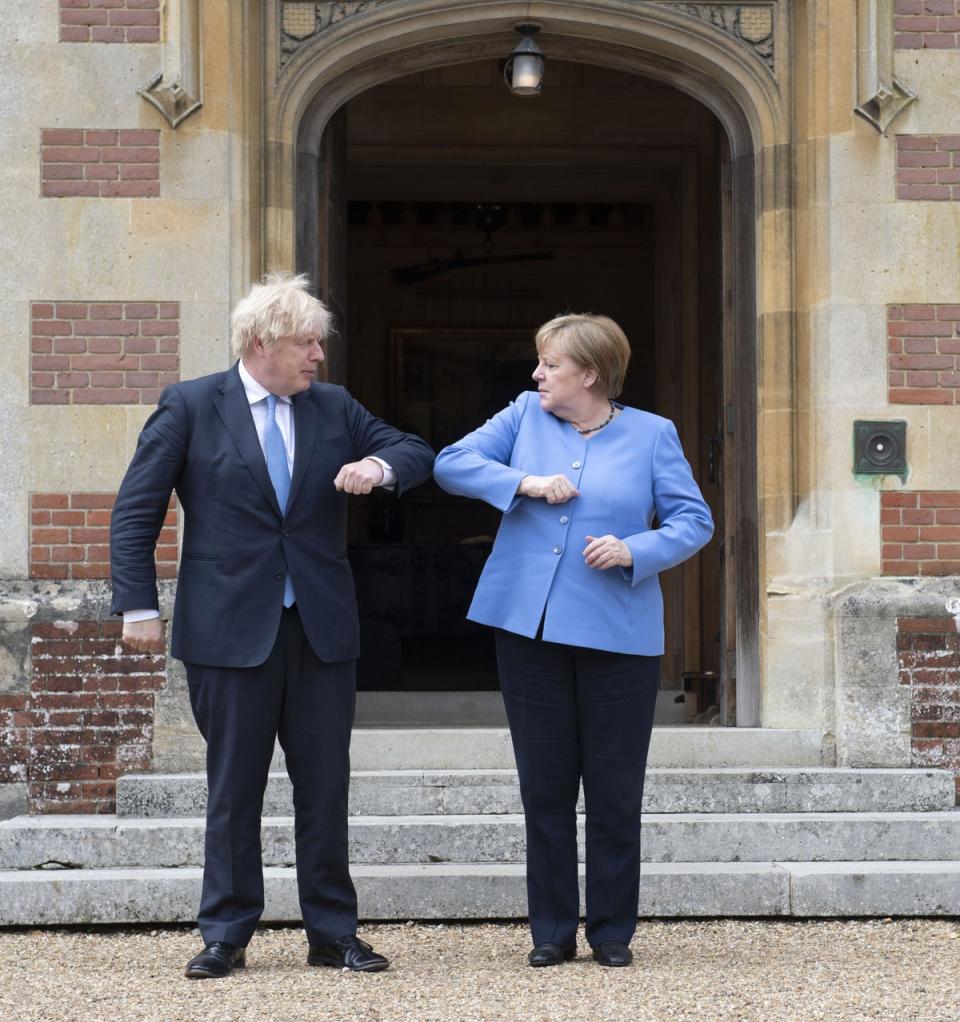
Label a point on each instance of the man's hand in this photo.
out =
(145, 636)
(553, 489)
(607, 552)
(359, 476)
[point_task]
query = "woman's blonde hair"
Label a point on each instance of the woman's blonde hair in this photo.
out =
(278, 307)
(593, 342)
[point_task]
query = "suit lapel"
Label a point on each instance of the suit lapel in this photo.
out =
(305, 418)
(234, 410)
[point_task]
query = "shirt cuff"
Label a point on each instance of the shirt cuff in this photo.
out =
(389, 476)
(131, 616)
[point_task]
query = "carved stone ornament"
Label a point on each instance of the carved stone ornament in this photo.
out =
(177, 91)
(752, 25)
(882, 95)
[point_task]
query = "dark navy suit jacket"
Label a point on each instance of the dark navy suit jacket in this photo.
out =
(237, 547)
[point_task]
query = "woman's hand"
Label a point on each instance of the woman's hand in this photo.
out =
(607, 552)
(553, 489)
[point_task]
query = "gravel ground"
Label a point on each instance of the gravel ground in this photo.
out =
(755, 971)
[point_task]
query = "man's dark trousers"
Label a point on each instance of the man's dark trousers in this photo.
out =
(309, 704)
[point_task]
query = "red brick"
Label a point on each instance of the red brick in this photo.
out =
(104, 34)
(919, 312)
(49, 500)
(934, 6)
(948, 516)
(89, 500)
(53, 571)
(939, 569)
(102, 172)
(140, 310)
(915, 329)
(908, 41)
(61, 137)
(939, 41)
(67, 517)
(98, 517)
(151, 154)
(139, 137)
(136, 34)
(901, 568)
(50, 535)
(924, 142)
(132, 189)
(898, 498)
(122, 327)
(106, 396)
(41, 380)
(101, 136)
(924, 192)
(140, 345)
(139, 172)
(69, 345)
(939, 498)
(64, 171)
(899, 534)
(914, 23)
(148, 18)
(104, 345)
(914, 159)
(920, 345)
(69, 189)
(948, 142)
(101, 570)
(918, 517)
(169, 310)
(913, 361)
(50, 397)
(920, 397)
(110, 363)
(167, 362)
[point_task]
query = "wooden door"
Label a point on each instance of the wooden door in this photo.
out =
(332, 242)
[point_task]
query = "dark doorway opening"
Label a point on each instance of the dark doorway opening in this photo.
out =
(455, 220)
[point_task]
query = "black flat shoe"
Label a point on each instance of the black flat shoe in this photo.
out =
(612, 953)
(550, 954)
(347, 953)
(216, 960)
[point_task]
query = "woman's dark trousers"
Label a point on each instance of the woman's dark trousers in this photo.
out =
(575, 714)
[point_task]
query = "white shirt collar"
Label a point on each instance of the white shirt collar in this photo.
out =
(255, 391)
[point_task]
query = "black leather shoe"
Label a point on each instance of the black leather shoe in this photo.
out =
(216, 960)
(347, 953)
(550, 954)
(612, 953)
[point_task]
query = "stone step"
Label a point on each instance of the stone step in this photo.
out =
(488, 748)
(497, 891)
(721, 790)
(107, 842)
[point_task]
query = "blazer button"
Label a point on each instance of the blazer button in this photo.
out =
(278, 574)
(576, 464)
(564, 519)
(558, 549)
(285, 534)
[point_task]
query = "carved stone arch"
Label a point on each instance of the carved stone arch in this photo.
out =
(683, 45)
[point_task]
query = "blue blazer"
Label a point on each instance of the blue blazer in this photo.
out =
(237, 546)
(630, 471)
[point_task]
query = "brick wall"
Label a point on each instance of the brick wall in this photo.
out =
(927, 24)
(110, 21)
(920, 532)
(928, 167)
(100, 163)
(103, 352)
(928, 651)
(923, 354)
(87, 719)
(70, 536)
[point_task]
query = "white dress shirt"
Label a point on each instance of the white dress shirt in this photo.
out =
(257, 395)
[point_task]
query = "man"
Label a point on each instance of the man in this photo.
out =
(262, 458)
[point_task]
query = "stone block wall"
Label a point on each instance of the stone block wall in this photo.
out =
(928, 653)
(109, 21)
(86, 718)
(103, 352)
(100, 163)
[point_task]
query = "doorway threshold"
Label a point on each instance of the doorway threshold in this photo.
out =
(467, 709)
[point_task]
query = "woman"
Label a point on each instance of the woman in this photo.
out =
(571, 588)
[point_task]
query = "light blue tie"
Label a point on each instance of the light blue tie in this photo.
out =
(276, 452)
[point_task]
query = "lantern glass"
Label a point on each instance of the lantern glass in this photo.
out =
(526, 74)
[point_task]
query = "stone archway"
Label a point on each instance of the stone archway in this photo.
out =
(339, 54)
